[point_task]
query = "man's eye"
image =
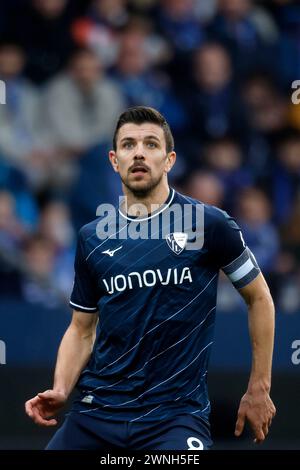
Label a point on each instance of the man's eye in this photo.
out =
(128, 145)
(152, 145)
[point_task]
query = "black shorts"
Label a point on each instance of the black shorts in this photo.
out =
(83, 432)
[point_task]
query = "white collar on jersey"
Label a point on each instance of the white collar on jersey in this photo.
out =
(165, 205)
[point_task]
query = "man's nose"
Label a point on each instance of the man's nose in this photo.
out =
(139, 156)
(140, 151)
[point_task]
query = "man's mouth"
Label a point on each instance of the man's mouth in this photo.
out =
(139, 169)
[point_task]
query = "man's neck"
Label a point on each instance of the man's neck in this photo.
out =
(145, 204)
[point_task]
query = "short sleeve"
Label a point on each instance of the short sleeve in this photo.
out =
(84, 297)
(230, 252)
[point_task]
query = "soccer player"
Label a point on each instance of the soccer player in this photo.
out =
(142, 372)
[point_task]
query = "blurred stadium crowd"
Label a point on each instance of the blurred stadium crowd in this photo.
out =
(221, 73)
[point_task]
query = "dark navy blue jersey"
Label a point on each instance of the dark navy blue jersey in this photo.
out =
(156, 301)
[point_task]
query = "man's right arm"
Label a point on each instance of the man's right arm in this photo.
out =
(73, 354)
(74, 351)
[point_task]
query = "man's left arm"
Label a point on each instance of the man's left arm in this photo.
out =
(256, 405)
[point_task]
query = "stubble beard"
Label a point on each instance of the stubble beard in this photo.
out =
(145, 190)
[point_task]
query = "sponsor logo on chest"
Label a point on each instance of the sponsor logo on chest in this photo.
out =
(148, 278)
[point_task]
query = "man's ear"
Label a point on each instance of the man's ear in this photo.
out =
(171, 158)
(114, 160)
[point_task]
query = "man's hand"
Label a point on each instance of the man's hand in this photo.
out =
(258, 408)
(45, 405)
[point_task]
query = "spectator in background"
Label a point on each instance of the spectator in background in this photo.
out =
(288, 266)
(224, 158)
(213, 102)
(267, 108)
(55, 225)
(156, 47)
(205, 11)
(178, 23)
(267, 113)
(285, 179)
(143, 5)
(254, 217)
(24, 143)
(113, 13)
(47, 273)
(141, 84)
(39, 283)
(291, 229)
(205, 187)
(12, 232)
(14, 181)
(288, 19)
(99, 29)
(95, 184)
(43, 29)
(37, 266)
(247, 31)
(105, 37)
(81, 104)
(20, 117)
(12, 235)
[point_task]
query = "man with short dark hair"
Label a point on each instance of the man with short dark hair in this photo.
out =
(150, 269)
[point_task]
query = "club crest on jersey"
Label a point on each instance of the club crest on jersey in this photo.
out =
(177, 241)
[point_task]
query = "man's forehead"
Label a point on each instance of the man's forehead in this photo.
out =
(140, 130)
